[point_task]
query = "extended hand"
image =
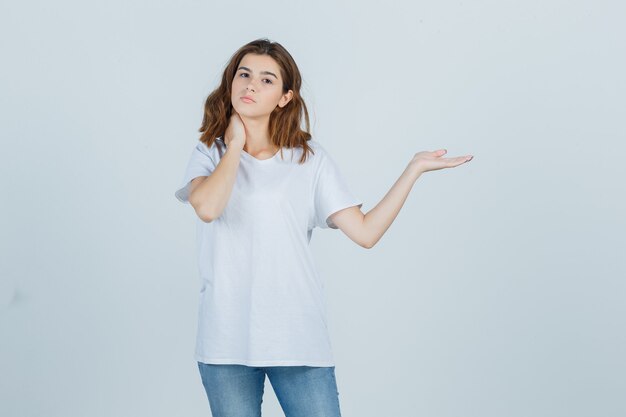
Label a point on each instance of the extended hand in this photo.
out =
(431, 161)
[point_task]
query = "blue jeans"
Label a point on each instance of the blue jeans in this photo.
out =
(302, 391)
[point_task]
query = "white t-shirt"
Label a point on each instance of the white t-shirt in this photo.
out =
(262, 302)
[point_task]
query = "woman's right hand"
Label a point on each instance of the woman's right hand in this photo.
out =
(235, 134)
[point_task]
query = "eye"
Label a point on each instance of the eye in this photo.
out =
(264, 79)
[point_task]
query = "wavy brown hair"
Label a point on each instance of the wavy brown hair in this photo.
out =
(284, 123)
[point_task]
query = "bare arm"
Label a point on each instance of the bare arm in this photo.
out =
(367, 229)
(209, 195)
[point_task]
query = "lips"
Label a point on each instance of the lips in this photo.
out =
(248, 99)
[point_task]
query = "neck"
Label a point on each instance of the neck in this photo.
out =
(257, 134)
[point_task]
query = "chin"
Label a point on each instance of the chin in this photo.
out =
(247, 112)
(240, 109)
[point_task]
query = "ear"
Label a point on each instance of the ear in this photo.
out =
(286, 98)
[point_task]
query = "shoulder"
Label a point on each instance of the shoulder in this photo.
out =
(319, 150)
(214, 151)
(316, 153)
(315, 145)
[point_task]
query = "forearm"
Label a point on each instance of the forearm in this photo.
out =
(378, 219)
(210, 197)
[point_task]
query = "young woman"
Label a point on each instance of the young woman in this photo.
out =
(259, 184)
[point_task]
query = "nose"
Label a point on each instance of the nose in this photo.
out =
(251, 85)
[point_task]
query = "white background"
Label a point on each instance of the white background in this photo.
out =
(499, 289)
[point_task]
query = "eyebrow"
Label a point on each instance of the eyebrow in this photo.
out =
(262, 72)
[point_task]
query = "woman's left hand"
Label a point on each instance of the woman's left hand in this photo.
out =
(431, 161)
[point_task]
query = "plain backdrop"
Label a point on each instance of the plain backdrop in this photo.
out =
(499, 289)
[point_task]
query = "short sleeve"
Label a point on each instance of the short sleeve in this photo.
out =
(331, 193)
(200, 165)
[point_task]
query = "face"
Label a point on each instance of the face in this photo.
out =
(258, 77)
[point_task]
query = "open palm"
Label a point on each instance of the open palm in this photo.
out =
(431, 161)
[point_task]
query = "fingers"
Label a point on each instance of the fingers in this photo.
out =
(464, 159)
(453, 162)
(460, 159)
(440, 152)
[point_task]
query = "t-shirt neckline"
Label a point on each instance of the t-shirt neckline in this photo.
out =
(247, 155)
(260, 160)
